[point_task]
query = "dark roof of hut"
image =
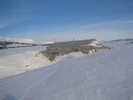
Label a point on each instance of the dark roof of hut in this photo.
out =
(71, 43)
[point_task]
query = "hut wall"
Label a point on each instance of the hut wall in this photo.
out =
(84, 50)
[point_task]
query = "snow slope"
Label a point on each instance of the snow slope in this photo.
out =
(105, 75)
(18, 60)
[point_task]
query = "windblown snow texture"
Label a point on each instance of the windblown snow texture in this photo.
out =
(106, 75)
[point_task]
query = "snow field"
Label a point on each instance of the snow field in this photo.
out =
(18, 60)
(105, 75)
(18, 63)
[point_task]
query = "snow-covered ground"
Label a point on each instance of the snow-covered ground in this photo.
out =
(106, 75)
(118, 43)
(16, 40)
(6, 43)
(96, 44)
(18, 60)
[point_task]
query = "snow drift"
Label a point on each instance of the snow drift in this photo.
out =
(18, 60)
(105, 75)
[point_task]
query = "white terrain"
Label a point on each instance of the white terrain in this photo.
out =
(106, 75)
(17, 40)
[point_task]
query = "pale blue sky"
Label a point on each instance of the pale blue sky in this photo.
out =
(58, 20)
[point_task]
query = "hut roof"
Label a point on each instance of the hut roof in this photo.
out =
(71, 43)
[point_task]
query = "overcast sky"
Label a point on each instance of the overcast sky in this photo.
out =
(59, 20)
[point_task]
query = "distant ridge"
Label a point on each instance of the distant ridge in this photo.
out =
(16, 40)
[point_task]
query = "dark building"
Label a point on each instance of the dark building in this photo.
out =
(62, 48)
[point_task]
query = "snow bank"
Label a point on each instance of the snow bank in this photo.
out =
(95, 44)
(47, 42)
(105, 75)
(68, 56)
(18, 60)
(17, 45)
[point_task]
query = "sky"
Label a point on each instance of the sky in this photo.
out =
(61, 20)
